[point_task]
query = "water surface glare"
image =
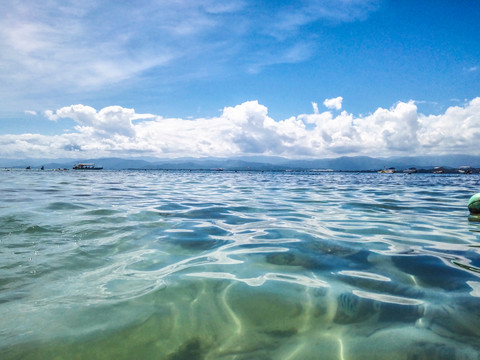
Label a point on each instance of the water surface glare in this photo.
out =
(247, 265)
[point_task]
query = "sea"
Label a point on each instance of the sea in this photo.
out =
(238, 265)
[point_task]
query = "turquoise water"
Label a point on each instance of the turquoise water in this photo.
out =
(247, 265)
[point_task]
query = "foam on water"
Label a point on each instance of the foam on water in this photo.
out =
(224, 265)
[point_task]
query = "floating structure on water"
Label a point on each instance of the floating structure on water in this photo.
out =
(465, 170)
(86, 166)
(390, 170)
(474, 204)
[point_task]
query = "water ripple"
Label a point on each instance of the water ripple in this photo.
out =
(226, 265)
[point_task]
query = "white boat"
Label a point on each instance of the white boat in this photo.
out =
(465, 170)
(410, 170)
(86, 166)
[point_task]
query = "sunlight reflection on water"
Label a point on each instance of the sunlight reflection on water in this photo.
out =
(207, 265)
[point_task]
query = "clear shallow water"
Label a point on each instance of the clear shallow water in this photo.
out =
(248, 265)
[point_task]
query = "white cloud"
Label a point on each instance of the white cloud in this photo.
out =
(335, 103)
(295, 53)
(291, 17)
(458, 127)
(59, 46)
(247, 129)
(393, 130)
(108, 122)
(30, 112)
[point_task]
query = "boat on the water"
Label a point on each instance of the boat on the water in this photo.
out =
(411, 170)
(86, 166)
(438, 170)
(465, 170)
(387, 171)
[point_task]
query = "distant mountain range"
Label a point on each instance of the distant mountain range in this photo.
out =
(345, 163)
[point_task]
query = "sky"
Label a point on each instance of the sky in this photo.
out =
(179, 78)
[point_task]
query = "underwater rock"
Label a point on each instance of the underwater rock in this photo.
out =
(400, 313)
(353, 309)
(427, 351)
(289, 259)
(430, 271)
(463, 318)
(191, 350)
(332, 248)
(285, 258)
(203, 244)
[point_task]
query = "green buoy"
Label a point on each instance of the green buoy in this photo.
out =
(474, 204)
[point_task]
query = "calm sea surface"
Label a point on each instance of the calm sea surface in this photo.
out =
(247, 265)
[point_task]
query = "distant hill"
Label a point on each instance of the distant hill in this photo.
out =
(363, 163)
(344, 163)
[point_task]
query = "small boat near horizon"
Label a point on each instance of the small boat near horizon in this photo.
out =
(387, 171)
(86, 166)
(411, 170)
(465, 170)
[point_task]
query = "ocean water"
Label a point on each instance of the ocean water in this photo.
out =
(247, 265)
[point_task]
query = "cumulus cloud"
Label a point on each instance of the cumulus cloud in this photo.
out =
(248, 129)
(108, 122)
(335, 103)
(458, 127)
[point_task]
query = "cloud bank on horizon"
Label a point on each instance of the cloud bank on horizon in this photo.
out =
(247, 129)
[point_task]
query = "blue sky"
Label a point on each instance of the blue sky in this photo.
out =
(97, 78)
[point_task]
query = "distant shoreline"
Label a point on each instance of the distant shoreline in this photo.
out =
(422, 164)
(446, 171)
